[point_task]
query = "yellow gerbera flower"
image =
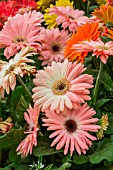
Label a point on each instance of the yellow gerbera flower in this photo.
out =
(42, 4)
(100, 2)
(103, 122)
(105, 14)
(64, 3)
(51, 19)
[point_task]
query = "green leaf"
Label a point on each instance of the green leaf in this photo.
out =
(6, 168)
(48, 167)
(101, 102)
(11, 139)
(107, 82)
(13, 157)
(21, 166)
(43, 148)
(91, 8)
(64, 166)
(80, 159)
(110, 126)
(105, 153)
(18, 103)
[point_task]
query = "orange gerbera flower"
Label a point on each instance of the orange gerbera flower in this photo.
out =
(105, 14)
(110, 31)
(87, 32)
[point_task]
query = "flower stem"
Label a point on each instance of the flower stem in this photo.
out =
(97, 83)
(24, 86)
(88, 5)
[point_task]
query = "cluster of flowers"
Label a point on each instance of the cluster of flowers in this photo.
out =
(61, 88)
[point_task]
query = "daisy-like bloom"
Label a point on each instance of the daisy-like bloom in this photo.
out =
(86, 32)
(31, 17)
(69, 18)
(103, 122)
(27, 144)
(104, 14)
(42, 4)
(97, 47)
(100, 2)
(50, 19)
(71, 130)
(5, 11)
(62, 85)
(20, 32)
(110, 2)
(53, 44)
(12, 68)
(5, 126)
(11, 7)
(110, 33)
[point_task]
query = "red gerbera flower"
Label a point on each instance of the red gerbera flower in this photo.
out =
(11, 7)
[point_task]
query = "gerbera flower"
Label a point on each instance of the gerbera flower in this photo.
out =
(69, 18)
(11, 7)
(110, 2)
(100, 2)
(71, 130)
(5, 12)
(97, 47)
(5, 126)
(19, 32)
(27, 144)
(103, 122)
(42, 4)
(61, 86)
(31, 17)
(53, 44)
(12, 68)
(104, 14)
(110, 33)
(86, 32)
(49, 18)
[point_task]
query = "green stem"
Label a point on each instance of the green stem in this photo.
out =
(97, 83)
(88, 5)
(24, 86)
(0, 107)
(0, 158)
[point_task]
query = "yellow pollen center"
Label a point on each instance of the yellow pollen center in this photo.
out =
(8, 71)
(19, 40)
(60, 87)
(102, 47)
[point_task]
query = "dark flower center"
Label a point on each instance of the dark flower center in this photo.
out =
(55, 48)
(19, 40)
(70, 125)
(60, 87)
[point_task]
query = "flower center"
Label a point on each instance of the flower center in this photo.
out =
(9, 70)
(102, 47)
(60, 87)
(55, 47)
(70, 126)
(19, 40)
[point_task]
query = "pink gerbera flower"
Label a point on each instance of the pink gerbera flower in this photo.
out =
(26, 145)
(69, 18)
(97, 47)
(20, 32)
(61, 85)
(31, 17)
(71, 129)
(53, 44)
